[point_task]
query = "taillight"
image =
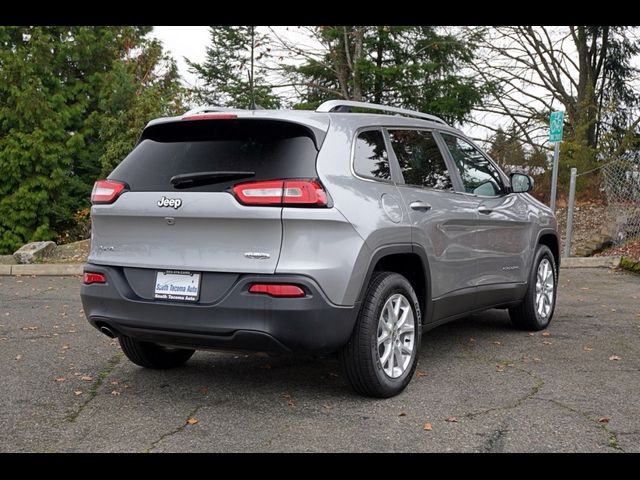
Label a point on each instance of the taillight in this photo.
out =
(282, 192)
(211, 116)
(92, 277)
(280, 290)
(106, 191)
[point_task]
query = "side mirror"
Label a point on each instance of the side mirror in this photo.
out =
(521, 183)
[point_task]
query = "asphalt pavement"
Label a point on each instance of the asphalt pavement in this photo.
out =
(482, 386)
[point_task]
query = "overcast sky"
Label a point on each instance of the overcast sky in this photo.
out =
(189, 42)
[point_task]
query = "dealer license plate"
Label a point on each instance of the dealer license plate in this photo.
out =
(176, 285)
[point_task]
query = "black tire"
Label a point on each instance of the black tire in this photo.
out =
(150, 355)
(525, 316)
(360, 358)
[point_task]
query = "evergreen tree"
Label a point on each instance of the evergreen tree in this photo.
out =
(63, 94)
(226, 71)
(506, 149)
(416, 67)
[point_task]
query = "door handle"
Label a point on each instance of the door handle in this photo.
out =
(420, 205)
(485, 210)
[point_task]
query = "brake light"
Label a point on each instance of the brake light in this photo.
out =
(106, 191)
(280, 290)
(211, 116)
(92, 277)
(282, 192)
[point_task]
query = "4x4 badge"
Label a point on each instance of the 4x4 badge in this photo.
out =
(169, 202)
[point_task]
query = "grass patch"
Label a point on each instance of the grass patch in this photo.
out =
(630, 265)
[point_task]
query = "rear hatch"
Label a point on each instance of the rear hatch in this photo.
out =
(178, 208)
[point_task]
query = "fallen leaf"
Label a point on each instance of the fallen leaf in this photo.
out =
(420, 373)
(587, 349)
(547, 342)
(19, 356)
(191, 421)
(77, 392)
(402, 414)
(65, 347)
(531, 334)
(203, 390)
(499, 368)
(59, 379)
(536, 359)
(451, 418)
(31, 329)
(86, 378)
(427, 426)
(327, 406)
(115, 393)
(603, 420)
(114, 382)
(615, 357)
(497, 343)
(546, 334)
(289, 400)
(613, 309)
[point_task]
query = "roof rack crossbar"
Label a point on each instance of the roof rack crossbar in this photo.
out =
(335, 105)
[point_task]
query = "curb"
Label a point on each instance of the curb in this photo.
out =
(42, 269)
(590, 262)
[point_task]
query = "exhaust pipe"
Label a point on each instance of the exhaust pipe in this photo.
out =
(108, 332)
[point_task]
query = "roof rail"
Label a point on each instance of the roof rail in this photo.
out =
(195, 111)
(338, 105)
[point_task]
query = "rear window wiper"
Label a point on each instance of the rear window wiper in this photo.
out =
(197, 179)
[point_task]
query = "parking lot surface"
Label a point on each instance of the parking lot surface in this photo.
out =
(480, 386)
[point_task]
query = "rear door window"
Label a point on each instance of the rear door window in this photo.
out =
(420, 159)
(269, 149)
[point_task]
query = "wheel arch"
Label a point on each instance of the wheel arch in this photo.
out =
(409, 260)
(549, 238)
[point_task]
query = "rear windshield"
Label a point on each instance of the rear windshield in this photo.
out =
(271, 149)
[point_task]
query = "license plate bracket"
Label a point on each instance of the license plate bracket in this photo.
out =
(177, 286)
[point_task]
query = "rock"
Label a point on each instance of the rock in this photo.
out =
(31, 251)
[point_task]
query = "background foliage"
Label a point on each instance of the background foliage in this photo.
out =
(74, 99)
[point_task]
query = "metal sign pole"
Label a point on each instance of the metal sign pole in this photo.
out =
(572, 195)
(554, 176)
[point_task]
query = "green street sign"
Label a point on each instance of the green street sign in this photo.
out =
(556, 120)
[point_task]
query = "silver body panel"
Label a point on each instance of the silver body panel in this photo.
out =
(212, 232)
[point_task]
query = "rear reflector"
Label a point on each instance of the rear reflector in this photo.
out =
(106, 191)
(277, 290)
(282, 192)
(92, 277)
(211, 116)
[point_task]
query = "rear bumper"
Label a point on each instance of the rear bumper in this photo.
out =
(237, 320)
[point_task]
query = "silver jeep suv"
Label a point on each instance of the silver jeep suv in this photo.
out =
(299, 231)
